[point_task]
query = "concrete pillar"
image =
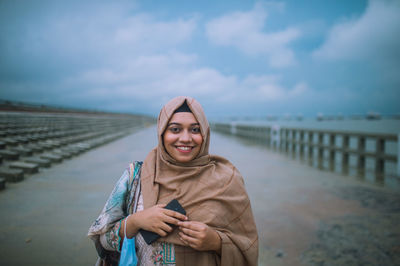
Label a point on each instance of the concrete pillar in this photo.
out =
(361, 157)
(275, 136)
(301, 146)
(345, 154)
(233, 128)
(332, 147)
(310, 148)
(294, 146)
(320, 150)
(379, 160)
(398, 155)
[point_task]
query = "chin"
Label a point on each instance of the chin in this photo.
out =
(184, 160)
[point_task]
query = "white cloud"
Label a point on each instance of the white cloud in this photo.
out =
(244, 30)
(299, 89)
(100, 36)
(266, 88)
(154, 75)
(145, 30)
(164, 76)
(123, 60)
(375, 35)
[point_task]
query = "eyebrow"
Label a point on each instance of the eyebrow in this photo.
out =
(179, 124)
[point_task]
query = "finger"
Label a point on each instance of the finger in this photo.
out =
(166, 228)
(161, 232)
(188, 239)
(175, 214)
(170, 220)
(189, 232)
(191, 225)
(184, 242)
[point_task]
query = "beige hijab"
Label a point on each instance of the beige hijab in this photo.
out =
(209, 188)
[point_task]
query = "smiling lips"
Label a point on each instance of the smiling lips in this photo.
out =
(184, 149)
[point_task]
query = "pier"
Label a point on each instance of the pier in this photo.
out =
(328, 149)
(304, 215)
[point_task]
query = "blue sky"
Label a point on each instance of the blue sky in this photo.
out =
(238, 58)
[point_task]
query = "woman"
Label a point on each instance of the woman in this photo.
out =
(218, 228)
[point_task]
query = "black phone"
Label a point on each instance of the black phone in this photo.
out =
(149, 236)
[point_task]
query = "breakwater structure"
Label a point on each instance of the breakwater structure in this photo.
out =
(34, 137)
(347, 152)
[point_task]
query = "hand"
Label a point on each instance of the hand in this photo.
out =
(153, 219)
(199, 236)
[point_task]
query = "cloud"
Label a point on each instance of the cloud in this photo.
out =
(67, 38)
(91, 54)
(144, 30)
(116, 57)
(373, 36)
(244, 31)
(268, 88)
(163, 76)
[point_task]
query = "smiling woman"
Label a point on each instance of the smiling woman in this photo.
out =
(182, 139)
(216, 226)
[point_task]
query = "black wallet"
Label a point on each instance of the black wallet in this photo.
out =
(149, 236)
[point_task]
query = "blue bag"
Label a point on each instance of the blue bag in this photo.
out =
(128, 251)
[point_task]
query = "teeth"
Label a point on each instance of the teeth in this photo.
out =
(184, 148)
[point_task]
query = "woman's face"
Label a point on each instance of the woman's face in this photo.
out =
(182, 137)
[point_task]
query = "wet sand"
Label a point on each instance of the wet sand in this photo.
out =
(306, 216)
(44, 219)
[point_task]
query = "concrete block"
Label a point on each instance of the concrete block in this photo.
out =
(11, 175)
(10, 141)
(63, 154)
(73, 150)
(45, 146)
(35, 148)
(22, 151)
(21, 139)
(39, 161)
(52, 157)
(83, 146)
(29, 168)
(33, 138)
(2, 183)
(55, 143)
(9, 155)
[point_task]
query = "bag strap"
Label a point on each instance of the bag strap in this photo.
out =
(135, 167)
(131, 172)
(126, 219)
(137, 194)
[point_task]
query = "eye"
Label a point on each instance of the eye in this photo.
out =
(174, 129)
(196, 130)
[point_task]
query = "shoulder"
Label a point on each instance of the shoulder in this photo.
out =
(225, 170)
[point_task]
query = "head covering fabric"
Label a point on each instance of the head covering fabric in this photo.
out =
(209, 188)
(183, 108)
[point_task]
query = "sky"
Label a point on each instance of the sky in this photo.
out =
(237, 58)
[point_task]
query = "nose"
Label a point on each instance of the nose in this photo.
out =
(185, 136)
